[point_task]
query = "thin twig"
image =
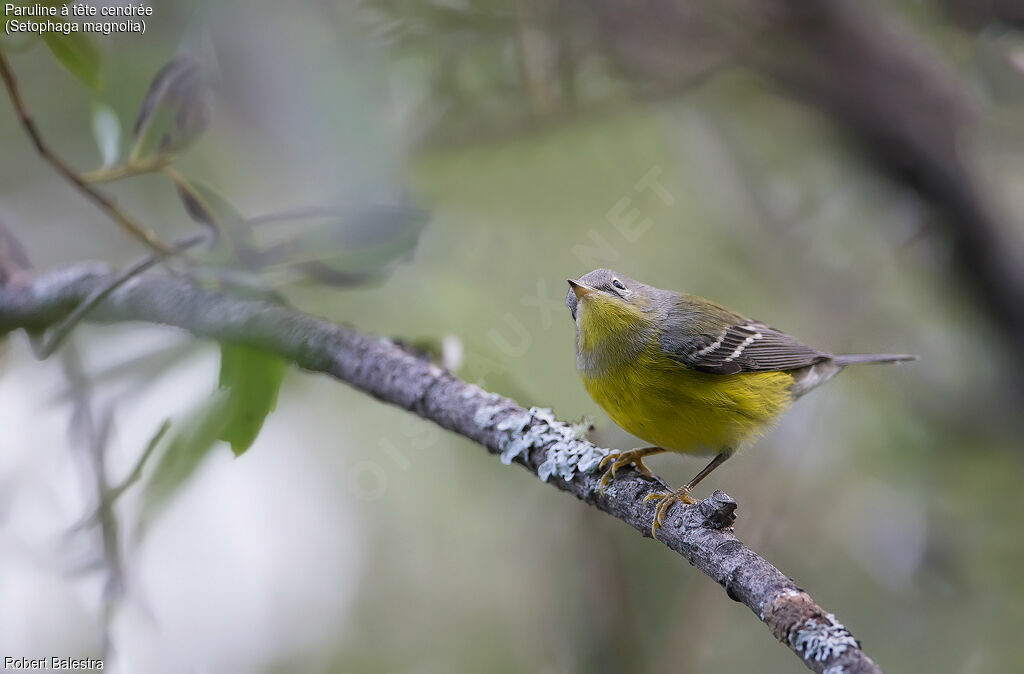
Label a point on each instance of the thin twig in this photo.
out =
(701, 533)
(105, 203)
(307, 213)
(136, 473)
(95, 436)
(108, 494)
(129, 169)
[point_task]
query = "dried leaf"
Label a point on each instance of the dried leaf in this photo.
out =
(176, 110)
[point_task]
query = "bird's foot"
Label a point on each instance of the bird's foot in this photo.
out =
(667, 500)
(620, 459)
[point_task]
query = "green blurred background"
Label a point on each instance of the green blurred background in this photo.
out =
(355, 538)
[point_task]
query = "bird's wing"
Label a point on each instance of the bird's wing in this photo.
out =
(744, 346)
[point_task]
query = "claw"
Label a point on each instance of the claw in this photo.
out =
(668, 499)
(614, 454)
(620, 459)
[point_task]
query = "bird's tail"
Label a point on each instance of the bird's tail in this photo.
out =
(855, 358)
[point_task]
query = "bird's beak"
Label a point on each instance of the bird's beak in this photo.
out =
(579, 289)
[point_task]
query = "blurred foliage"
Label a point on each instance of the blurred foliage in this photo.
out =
(342, 247)
(488, 67)
(888, 495)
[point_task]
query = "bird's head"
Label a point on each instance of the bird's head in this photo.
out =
(604, 303)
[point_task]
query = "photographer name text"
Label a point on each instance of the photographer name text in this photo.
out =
(52, 664)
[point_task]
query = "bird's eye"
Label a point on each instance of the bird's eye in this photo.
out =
(618, 284)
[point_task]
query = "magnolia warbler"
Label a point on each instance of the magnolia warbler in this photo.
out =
(686, 374)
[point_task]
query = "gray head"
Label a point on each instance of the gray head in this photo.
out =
(609, 283)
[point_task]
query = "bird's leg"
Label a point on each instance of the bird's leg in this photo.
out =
(668, 498)
(621, 459)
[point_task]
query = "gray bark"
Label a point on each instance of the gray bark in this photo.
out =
(533, 438)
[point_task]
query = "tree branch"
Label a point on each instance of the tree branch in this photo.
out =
(532, 438)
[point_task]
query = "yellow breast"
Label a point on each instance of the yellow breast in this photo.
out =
(684, 410)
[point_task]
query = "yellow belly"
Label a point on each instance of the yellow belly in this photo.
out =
(683, 410)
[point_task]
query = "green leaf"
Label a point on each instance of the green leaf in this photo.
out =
(106, 129)
(78, 54)
(252, 378)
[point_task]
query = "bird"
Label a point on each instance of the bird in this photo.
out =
(687, 374)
